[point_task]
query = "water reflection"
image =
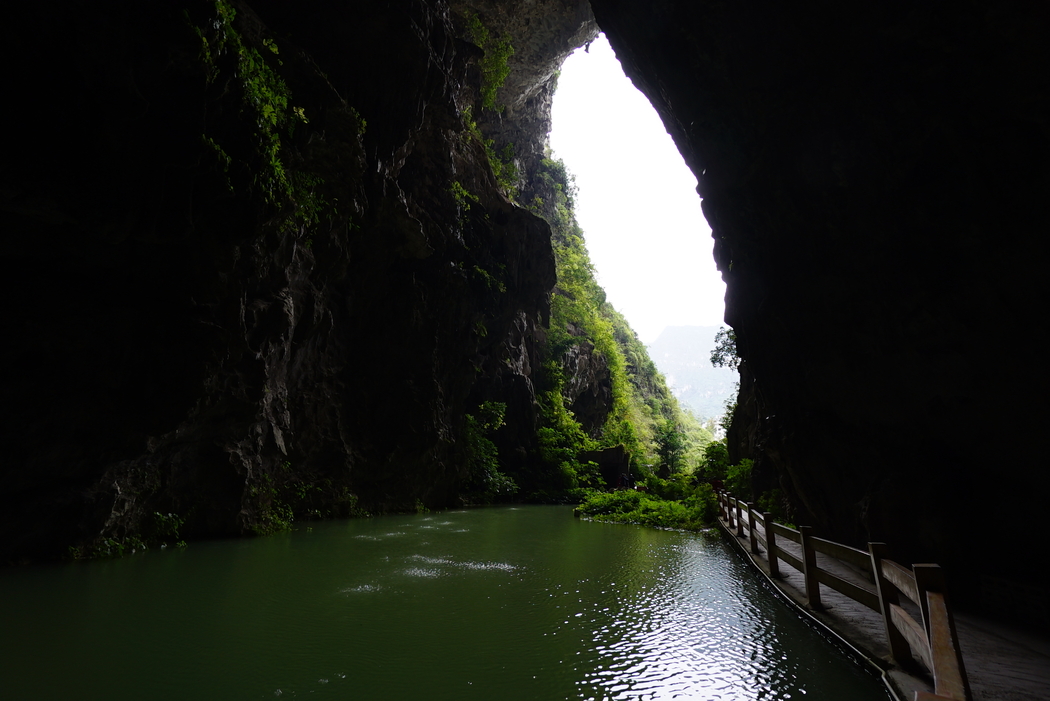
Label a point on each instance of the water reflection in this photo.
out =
(523, 603)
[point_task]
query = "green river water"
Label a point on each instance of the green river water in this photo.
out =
(496, 604)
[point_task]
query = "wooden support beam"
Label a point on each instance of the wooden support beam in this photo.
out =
(771, 545)
(751, 527)
(809, 569)
(913, 633)
(949, 673)
(860, 558)
(857, 593)
(902, 578)
(791, 560)
(888, 597)
(789, 533)
(927, 578)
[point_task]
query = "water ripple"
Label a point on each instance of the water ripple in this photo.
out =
(530, 604)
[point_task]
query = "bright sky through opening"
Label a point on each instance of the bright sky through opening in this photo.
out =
(637, 201)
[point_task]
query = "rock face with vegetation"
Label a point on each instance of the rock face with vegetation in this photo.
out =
(271, 261)
(876, 179)
(260, 268)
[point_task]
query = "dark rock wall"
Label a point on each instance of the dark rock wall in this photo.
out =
(876, 178)
(179, 338)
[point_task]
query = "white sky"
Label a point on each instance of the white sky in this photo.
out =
(637, 201)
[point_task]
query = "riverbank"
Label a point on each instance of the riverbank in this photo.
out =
(1002, 662)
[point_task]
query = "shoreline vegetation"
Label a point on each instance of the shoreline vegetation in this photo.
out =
(683, 501)
(663, 504)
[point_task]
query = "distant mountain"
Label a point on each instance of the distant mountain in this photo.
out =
(683, 355)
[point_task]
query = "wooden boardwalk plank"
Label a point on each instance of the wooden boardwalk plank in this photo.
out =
(1002, 663)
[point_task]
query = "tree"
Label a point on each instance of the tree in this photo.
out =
(716, 460)
(724, 354)
(670, 447)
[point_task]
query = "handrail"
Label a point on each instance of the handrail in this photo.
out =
(853, 556)
(933, 640)
(789, 533)
(902, 579)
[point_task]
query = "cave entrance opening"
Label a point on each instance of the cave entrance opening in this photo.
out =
(636, 200)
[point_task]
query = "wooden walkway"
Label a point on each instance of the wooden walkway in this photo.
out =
(1002, 663)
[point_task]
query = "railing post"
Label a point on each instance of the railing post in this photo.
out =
(771, 545)
(751, 527)
(927, 577)
(899, 649)
(809, 568)
(930, 579)
(739, 519)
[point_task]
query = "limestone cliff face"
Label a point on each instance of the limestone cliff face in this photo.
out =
(543, 33)
(257, 265)
(876, 180)
(588, 387)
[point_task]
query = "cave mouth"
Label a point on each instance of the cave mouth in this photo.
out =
(632, 180)
(189, 321)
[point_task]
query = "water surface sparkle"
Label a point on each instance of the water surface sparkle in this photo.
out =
(509, 603)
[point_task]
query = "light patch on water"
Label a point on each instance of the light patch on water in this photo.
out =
(469, 565)
(432, 560)
(502, 566)
(360, 589)
(422, 572)
(366, 537)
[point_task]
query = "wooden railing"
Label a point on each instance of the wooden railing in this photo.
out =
(932, 640)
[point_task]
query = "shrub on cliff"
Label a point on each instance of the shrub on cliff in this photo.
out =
(486, 483)
(494, 65)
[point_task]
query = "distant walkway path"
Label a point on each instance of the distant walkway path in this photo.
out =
(1002, 663)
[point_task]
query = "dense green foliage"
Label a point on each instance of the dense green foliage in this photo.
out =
(643, 416)
(494, 67)
(670, 447)
(486, 482)
(696, 510)
(161, 530)
(503, 167)
(562, 439)
(502, 161)
(271, 167)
